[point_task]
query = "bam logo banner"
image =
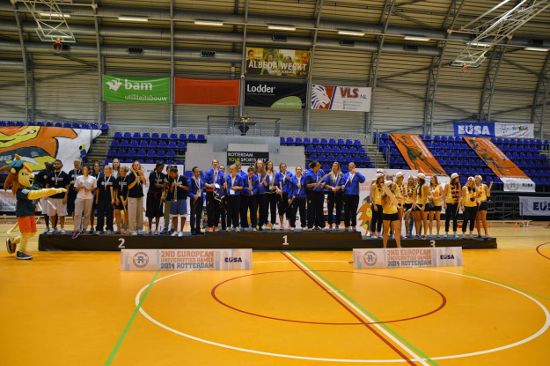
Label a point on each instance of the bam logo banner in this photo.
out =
(341, 98)
(39, 145)
(482, 129)
(136, 90)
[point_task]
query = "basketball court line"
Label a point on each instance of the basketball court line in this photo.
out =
(126, 329)
(540, 252)
(357, 309)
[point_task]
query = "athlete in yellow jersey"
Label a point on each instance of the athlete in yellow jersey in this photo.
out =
(390, 213)
(407, 207)
(420, 214)
(452, 194)
(469, 206)
(376, 200)
(437, 203)
(483, 192)
(400, 193)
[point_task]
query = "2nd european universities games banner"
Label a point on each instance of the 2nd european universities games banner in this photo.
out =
(136, 89)
(416, 154)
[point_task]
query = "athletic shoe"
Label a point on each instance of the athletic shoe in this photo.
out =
(291, 228)
(134, 233)
(180, 234)
(175, 233)
(10, 246)
(76, 234)
(23, 256)
(46, 230)
(445, 236)
(337, 228)
(237, 229)
(354, 229)
(62, 231)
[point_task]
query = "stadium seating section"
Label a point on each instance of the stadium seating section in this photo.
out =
(327, 151)
(104, 127)
(455, 155)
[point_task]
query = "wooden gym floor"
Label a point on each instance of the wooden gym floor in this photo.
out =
(293, 308)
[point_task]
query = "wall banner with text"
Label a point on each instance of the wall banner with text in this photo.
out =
(124, 89)
(277, 62)
(341, 98)
(274, 94)
(206, 92)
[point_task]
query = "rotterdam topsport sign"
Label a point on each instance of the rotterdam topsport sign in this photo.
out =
(277, 95)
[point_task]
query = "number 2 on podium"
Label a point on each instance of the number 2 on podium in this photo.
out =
(285, 239)
(121, 241)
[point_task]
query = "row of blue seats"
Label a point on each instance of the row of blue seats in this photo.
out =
(298, 141)
(335, 149)
(159, 136)
(126, 161)
(496, 140)
(327, 165)
(339, 158)
(104, 127)
(141, 153)
(144, 144)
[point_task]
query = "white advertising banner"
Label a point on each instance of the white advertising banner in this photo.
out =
(341, 98)
(518, 184)
(364, 258)
(515, 130)
(534, 206)
(185, 259)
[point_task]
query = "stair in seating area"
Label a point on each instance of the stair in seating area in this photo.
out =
(376, 157)
(98, 150)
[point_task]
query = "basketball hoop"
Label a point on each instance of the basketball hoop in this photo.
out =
(57, 45)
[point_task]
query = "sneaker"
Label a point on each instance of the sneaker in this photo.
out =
(237, 229)
(23, 256)
(337, 228)
(46, 230)
(76, 234)
(10, 246)
(134, 233)
(446, 235)
(62, 231)
(175, 233)
(291, 228)
(180, 234)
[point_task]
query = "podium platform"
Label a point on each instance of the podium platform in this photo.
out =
(264, 240)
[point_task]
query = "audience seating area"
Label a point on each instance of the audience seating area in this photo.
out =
(151, 147)
(104, 127)
(327, 151)
(455, 155)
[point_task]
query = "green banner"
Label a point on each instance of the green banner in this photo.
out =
(136, 90)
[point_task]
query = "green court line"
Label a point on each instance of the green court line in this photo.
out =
(505, 284)
(130, 321)
(393, 332)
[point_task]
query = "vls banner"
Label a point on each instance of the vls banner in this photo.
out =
(534, 206)
(341, 98)
(274, 94)
(136, 89)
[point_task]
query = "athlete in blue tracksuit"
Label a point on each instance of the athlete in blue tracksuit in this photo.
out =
(284, 187)
(233, 186)
(297, 199)
(248, 199)
(351, 184)
(315, 196)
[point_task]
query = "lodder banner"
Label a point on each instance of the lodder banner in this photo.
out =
(341, 98)
(247, 158)
(274, 94)
(515, 130)
(534, 206)
(407, 257)
(468, 128)
(136, 90)
(185, 259)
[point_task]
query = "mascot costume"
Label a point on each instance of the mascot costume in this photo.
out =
(20, 181)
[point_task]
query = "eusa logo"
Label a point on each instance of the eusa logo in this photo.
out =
(476, 130)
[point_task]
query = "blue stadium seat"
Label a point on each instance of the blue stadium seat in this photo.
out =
(172, 144)
(315, 141)
(289, 141)
(127, 135)
(118, 135)
(162, 144)
(136, 136)
(298, 141)
(146, 136)
(201, 138)
(104, 128)
(324, 142)
(341, 142)
(153, 143)
(182, 146)
(155, 136)
(307, 141)
(173, 136)
(183, 137)
(192, 138)
(282, 141)
(164, 136)
(143, 144)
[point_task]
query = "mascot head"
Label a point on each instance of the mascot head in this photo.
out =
(20, 174)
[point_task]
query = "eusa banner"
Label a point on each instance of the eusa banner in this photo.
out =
(136, 89)
(494, 129)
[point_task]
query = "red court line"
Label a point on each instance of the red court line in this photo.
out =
(215, 296)
(540, 252)
(369, 326)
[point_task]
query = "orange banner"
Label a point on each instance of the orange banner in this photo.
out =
(206, 92)
(416, 154)
(495, 159)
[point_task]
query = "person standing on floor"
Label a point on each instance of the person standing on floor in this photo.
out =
(155, 198)
(233, 186)
(41, 180)
(136, 181)
(335, 193)
(85, 186)
(283, 186)
(351, 187)
(483, 192)
(298, 200)
(390, 213)
(271, 192)
(223, 202)
(248, 200)
(167, 200)
(71, 195)
(95, 172)
(213, 185)
(420, 206)
(451, 204)
(179, 188)
(376, 201)
(196, 193)
(242, 175)
(261, 197)
(105, 200)
(314, 182)
(437, 203)
(57, 204)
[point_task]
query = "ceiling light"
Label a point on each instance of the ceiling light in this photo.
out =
(281, 27)
(539, 49)
(212, 23)
(55, 15)
(133, 18)
(417, 38)
(479, 44)
(344, 32)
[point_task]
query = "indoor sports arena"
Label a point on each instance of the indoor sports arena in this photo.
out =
(274, 183)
